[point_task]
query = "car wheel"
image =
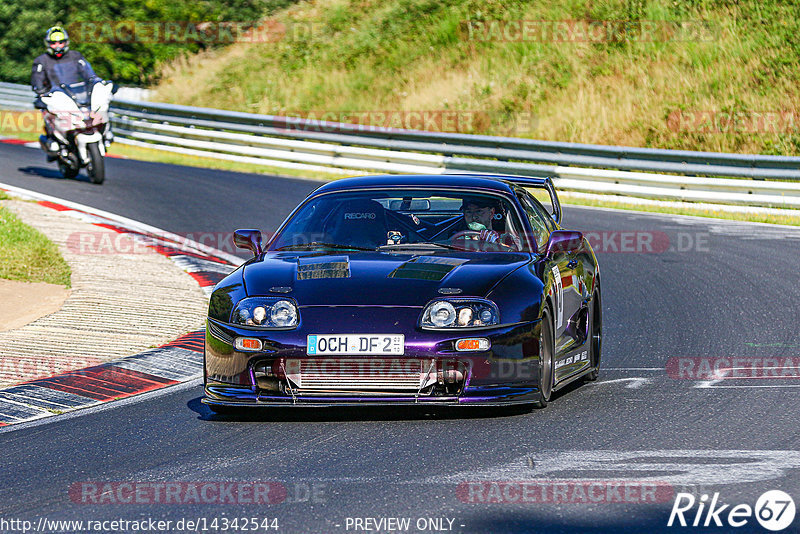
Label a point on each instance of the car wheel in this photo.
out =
(595, 336)
(546, 354)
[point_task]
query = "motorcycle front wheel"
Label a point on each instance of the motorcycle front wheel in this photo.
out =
(96, 168)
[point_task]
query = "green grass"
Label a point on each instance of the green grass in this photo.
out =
(161, 156)
(27, 255)
(683, 210)
(674, 208)
(368, 55)
(17, 134)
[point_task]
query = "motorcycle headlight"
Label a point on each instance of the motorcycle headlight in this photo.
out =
(459, 313)
(265, 312)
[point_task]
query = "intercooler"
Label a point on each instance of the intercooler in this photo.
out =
(360, 374)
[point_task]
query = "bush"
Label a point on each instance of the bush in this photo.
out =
(23, 24)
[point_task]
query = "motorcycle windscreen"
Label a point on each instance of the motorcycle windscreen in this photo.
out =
(80, 92)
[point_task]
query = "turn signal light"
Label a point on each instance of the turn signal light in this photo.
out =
(248, 344)
(472, 344)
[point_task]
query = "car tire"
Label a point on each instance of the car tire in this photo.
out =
(546, 359)
(595, 336)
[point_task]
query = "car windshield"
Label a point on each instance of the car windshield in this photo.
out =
(407, 219)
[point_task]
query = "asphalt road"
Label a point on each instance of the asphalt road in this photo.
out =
(724, 290)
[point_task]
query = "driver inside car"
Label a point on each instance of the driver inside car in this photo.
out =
(484, 217)
(479, 215)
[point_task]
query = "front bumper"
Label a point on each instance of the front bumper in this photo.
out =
(506, 374)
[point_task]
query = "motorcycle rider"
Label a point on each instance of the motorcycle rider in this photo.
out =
(60, 65)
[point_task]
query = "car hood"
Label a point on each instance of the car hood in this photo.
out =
(377, 278)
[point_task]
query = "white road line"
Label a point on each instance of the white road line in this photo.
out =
(187, 375)
(21, 399)
(690, 219)
(124, 221)
(192, 265)
(676, 467)
(706, 384)
(17, 402)
(80, 412)
(634, 382)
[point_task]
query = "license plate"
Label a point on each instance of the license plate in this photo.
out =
(341, 344)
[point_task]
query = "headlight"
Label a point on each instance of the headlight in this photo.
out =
(283, 313)
(265, 312)
(441, 314)
(459, 313)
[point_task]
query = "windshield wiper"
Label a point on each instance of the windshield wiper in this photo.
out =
(403, 246)
(315, 245)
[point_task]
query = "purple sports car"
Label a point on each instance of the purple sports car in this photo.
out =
(444, 290)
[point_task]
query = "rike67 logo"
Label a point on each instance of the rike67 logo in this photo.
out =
(774, 510)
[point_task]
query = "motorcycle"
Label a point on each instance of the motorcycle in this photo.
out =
(77, 117)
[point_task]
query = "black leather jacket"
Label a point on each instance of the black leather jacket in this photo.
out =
(49, 72)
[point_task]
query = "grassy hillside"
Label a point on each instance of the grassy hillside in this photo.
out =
(630, 89)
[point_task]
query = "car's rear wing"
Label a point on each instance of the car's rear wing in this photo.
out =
(541, 183)
(530, 181)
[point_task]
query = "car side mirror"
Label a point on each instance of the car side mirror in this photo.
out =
(249, 240)
(564, 241)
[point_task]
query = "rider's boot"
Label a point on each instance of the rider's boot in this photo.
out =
(50, 146)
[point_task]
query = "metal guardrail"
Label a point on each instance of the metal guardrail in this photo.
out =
(504, 149)
(15, 97)
(344, 148)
